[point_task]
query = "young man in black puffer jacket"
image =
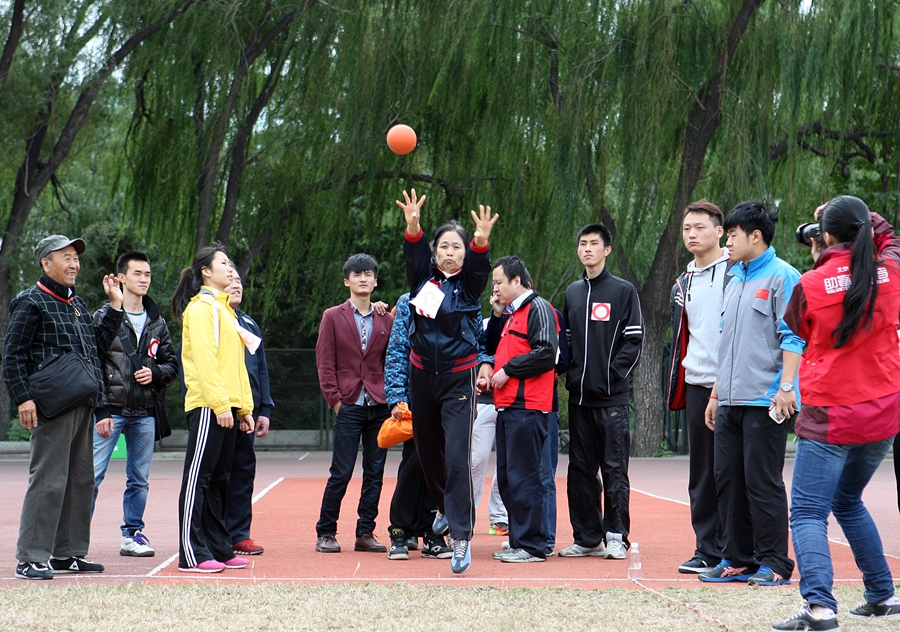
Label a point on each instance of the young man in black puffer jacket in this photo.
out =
(131, 392)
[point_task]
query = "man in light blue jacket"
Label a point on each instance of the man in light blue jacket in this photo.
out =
(755, 391)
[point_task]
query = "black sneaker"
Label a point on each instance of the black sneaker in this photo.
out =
(398, 550)
(435, 547)
(399, 544)
(33, 570)
(74, 565)
(694, 565)
(804, 620)
(878, 611)
(413, 543)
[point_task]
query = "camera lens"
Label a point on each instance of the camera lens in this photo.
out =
(807, 233)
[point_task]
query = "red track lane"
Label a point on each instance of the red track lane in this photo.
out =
(285, 517)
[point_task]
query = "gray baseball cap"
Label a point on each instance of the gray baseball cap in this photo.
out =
(54, 243)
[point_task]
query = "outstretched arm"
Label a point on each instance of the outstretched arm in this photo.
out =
(412, 206)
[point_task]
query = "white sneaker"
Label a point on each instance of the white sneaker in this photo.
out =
(136, 545)
(519, 556)
(576, 550)
(615, 548)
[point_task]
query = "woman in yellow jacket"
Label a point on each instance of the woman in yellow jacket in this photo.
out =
(218, 402)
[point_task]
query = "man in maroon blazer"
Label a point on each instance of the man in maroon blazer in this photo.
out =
(350, 360)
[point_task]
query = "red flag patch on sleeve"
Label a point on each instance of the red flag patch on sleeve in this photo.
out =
(761, 293)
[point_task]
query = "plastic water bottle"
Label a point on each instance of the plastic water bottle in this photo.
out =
(634, 562)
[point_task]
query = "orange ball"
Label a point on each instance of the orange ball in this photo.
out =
(401, 139)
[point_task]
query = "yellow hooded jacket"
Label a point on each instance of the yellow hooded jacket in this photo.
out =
(214, 369)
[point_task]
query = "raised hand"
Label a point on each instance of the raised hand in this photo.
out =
(411, 209)
(484, 222)
(113, 291)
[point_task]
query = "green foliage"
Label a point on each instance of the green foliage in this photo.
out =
(554, 113)
(15, 432)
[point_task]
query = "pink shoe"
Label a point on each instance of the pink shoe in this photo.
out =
(209, 566)
(237, 562)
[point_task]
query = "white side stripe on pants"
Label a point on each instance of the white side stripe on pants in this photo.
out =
(190, 492)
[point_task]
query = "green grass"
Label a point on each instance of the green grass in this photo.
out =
(280, 606)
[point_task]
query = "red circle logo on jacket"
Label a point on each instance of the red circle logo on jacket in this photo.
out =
(600, 311)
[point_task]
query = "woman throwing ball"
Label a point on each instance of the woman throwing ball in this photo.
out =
(446, 281)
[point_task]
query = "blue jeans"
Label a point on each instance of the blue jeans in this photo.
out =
(352, 424)
(140, 434)
(549, 460)
(831, 478)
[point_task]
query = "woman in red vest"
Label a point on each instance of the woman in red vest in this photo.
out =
(846, 308)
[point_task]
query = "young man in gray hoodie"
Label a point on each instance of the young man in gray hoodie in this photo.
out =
(696, 305)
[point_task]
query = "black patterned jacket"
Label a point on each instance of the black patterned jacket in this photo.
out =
(42, 322)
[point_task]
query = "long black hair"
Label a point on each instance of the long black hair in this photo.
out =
(192, 278)
(848, 220)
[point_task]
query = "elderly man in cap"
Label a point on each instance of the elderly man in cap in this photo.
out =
(45, 320)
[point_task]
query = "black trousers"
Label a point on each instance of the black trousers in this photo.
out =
(520, 442)
(750, 490)
(705, 517)
(239, 508)
(412, 507)
(599, 440)
(443, 411)
(202, 534)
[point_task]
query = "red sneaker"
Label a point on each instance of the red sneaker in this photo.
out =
(247, 547)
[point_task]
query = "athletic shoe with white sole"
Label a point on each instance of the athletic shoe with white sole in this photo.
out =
(520, 556)
(247, 547)
(615, 547)
(74, 565)
(440, 525)
(694, 565)
(209, 566)
(435, 547)
(33, 570)
(725, 572)
(576, 550)
(136, 545)
(877, 611)
(462, 556)
(765, 576)
(237, 562)
(806, 620)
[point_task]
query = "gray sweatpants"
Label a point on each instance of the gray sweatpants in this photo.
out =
(56, 514)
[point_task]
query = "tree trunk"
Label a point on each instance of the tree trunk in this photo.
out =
(206, 182)
(34, 174)
(17, 25)
(702, 123)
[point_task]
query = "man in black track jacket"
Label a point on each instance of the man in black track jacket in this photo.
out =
(606, 332)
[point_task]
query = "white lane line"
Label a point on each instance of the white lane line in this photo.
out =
(175, 557)
(266, 490)
(672, 500)
(681, 502)
(303, 457)
(160, 567)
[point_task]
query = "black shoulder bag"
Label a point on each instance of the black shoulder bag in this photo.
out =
(159, 397)
(63, 381)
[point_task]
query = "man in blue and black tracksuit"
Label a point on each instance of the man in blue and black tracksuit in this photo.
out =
(606, 333)
(758, 362)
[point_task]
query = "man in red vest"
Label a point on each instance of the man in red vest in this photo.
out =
(525, 365)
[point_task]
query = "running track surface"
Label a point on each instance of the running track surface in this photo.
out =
(288, 494)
